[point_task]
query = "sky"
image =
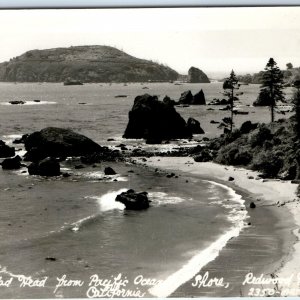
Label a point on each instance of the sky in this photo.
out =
(215, 40)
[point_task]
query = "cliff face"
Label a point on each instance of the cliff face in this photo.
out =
(83, 63)
(196, 75)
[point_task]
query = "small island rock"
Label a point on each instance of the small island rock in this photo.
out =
(196, 75)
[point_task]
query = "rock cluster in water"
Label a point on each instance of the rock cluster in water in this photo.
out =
(188, 98)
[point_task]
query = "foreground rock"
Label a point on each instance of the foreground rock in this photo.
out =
(6, 151)
(194, 126)
(46, 167)
(155, 120)
(133, 200)
(58, 142)
(12, 163)
(196, 75)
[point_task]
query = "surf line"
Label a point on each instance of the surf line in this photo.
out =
(196, 263)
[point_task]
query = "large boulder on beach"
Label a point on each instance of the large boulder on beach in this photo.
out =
(133, 200)
(152, 119)
(196, 75)
(5, 150)
(58, 142)
(199, 98)
(12, 163)
(46, 167)
(194, 126)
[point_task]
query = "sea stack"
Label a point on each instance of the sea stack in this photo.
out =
(152, 119)
(196, 75)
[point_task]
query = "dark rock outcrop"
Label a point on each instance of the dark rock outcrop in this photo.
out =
(194, 126)
(12, 163)
(46, 167)
(21, 140)
(133, 200)
(6, 151)
(219, 102)
(248, 126)
(199, 98)
(186, 98)
(167, 100)
(58, 142)
(72, 82)
(150, 118)
(109, 171)
(196, 75)
(16, 102)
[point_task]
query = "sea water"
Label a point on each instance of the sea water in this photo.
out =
(76, 219)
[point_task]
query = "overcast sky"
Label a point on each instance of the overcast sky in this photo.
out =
(215, 40)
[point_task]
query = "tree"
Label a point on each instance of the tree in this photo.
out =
(230, 84)
(296, 125)
(289, 66)
(296, 102)
(272, 85)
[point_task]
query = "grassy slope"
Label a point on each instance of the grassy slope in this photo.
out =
(84, 63)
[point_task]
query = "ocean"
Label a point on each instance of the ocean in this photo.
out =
(72, 226)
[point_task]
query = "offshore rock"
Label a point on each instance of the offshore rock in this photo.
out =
(133, 200)
(152, 119)
(196, 75)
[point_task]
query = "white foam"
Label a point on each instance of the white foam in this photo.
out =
(76, 225)
(101, 175)
(161, 198)
(197, 262)
(107, 201)
(11, 137)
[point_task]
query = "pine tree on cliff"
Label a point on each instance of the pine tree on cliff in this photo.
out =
(272, 85)
(296, 102)
(230, 84)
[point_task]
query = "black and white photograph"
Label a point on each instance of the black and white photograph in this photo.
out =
(150, 152)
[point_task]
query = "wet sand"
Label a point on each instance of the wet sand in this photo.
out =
(261, 248)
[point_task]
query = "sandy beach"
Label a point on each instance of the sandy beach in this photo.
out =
(274, 199)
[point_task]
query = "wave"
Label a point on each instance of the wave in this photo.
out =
(161, 198)
(197, 262)
(107, 201)
(99, 175)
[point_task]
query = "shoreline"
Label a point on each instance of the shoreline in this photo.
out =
(273, 198)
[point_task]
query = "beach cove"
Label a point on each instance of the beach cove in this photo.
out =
(272, 230)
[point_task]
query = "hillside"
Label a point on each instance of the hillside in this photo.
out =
(83, 63)
(290, 76)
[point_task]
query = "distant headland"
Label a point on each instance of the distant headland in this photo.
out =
(85, 64)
